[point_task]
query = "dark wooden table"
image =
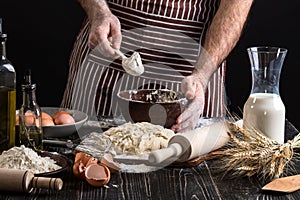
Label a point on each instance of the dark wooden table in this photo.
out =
(199, 182)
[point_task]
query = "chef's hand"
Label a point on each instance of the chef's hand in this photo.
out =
(105, 34)
(193, 88)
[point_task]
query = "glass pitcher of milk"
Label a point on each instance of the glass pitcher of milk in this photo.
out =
(264, 109)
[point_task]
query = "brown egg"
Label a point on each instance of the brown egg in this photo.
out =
(17, 119)
(29, 119)
(47, 122)
(56, 114)
(97, 175)
(47, 119)
(46, 116)
(63, 118)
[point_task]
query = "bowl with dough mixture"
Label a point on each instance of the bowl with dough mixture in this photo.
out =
(157, 106)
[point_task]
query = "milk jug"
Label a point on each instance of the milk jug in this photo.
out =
(264, 110)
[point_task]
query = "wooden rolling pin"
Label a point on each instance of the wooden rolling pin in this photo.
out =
(16, 180)
(191, 144)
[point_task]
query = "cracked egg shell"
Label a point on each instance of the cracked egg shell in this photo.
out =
(97, 175)
(108, 161)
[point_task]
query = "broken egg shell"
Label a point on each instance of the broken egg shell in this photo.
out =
(97, 175)
(78, 170)
(81, 156)
(108, 161)
(82, 160)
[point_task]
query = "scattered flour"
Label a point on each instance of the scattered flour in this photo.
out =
(27, 159)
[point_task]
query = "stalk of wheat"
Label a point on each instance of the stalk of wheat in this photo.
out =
(250, 153)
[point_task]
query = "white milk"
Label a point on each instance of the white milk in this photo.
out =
(266, 113)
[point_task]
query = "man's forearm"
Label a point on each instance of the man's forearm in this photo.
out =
(94, 7)
(223, 34)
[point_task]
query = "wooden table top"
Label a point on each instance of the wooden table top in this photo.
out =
(195, 183)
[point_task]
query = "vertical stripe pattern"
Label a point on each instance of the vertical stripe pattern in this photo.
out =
(168, 35)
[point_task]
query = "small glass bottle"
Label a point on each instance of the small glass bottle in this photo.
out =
(264, 110)
(7, 97)
(31, 132)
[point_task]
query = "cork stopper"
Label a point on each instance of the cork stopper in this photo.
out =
(2, 35)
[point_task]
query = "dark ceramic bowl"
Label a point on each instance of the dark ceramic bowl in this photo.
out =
(60, 160)
(64, 129)
(161, 107)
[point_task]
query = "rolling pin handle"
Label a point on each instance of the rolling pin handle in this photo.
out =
(17, 180)
(47, 183)
(158, 156)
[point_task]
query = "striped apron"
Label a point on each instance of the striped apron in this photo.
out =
(168, 35)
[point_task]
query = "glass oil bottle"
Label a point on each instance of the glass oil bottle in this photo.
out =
(7, 97)
(31, 132)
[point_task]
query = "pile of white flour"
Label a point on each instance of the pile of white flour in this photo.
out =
(27, 159)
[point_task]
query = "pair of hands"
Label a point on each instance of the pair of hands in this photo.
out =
(105, 35)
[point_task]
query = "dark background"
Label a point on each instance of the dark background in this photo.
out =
(41, 35)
